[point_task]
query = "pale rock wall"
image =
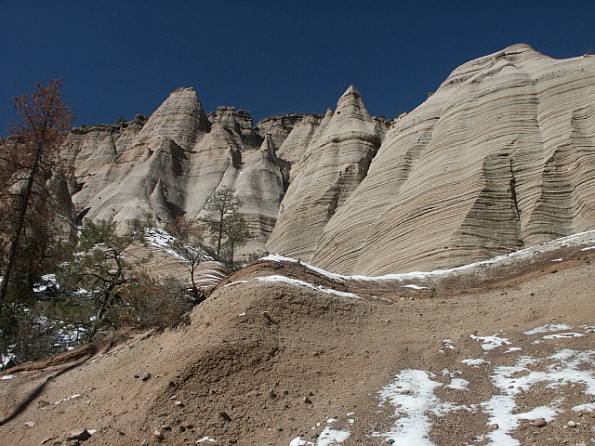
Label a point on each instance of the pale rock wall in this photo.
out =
(331, 169)
(171, 164)
(499, 158)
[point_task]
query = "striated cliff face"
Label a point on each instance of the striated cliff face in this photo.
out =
(170, 164)
(500, 157)
(333, 165)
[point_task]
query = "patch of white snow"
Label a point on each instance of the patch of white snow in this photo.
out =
(329, 437)
(491, 342)
(301, 283)
(475, 363)
(415, 287)
(458, 384)
(548, 329)
(412, 396)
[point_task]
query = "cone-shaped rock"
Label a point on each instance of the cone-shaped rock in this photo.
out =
(180, 118)
(332, 169)
(260, 185)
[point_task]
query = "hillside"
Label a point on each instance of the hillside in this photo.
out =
(287, 354)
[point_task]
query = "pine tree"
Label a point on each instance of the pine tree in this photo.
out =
(224, 221)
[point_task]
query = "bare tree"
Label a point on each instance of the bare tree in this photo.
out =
(189, 244)
(29, 159)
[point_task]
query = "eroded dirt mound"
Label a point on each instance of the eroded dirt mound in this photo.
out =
(322, 361)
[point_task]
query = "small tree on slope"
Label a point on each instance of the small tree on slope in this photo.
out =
(225, 220)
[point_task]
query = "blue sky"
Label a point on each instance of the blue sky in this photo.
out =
(119, 58)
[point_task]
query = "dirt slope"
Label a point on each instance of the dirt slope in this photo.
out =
(266, 362)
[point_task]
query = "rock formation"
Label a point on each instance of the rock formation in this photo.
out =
(500, 157)
(332, 168)
(170, 164)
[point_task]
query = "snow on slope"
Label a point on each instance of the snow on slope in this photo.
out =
(576, 240)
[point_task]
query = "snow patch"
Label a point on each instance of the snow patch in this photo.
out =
(412, 396)
(558, 336)
(329, 437)
(491, 342)
(7, 377)
(512, 349)
(512, 380)
(68, 398)
(301, 283)
(574, 240)
(415, 287)
(548, 329)
(458, 384)
(475, 363)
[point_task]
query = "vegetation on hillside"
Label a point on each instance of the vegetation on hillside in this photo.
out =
(63, 286)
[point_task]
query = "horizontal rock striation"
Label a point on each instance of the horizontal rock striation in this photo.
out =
(332, 167)
(500, 157)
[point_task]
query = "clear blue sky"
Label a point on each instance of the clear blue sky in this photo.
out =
(119, 58)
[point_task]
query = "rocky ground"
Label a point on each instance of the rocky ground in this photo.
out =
(281, 354)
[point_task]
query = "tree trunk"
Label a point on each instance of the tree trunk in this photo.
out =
(16, 239)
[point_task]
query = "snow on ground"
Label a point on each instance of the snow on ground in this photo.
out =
(548, 329)
(491, 342)
(162, 240)
(475, 363)
(328, 437)
(458, 384)
(278, 258)
(412, 394)
(415, 287)
(568, 368)
(68, 398)
(7, 377)
(558, 336)
(301, 283)
(6, 358)
(48, 281)
(552, 329)
(507, 259)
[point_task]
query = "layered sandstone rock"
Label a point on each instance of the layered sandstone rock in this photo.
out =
(170, 164)
(332, 168)
(502, 156)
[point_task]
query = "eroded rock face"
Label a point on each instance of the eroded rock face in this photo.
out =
(331, 169)
(501, 157)
(170, 164)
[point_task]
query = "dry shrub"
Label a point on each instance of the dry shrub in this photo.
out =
(150, 303)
